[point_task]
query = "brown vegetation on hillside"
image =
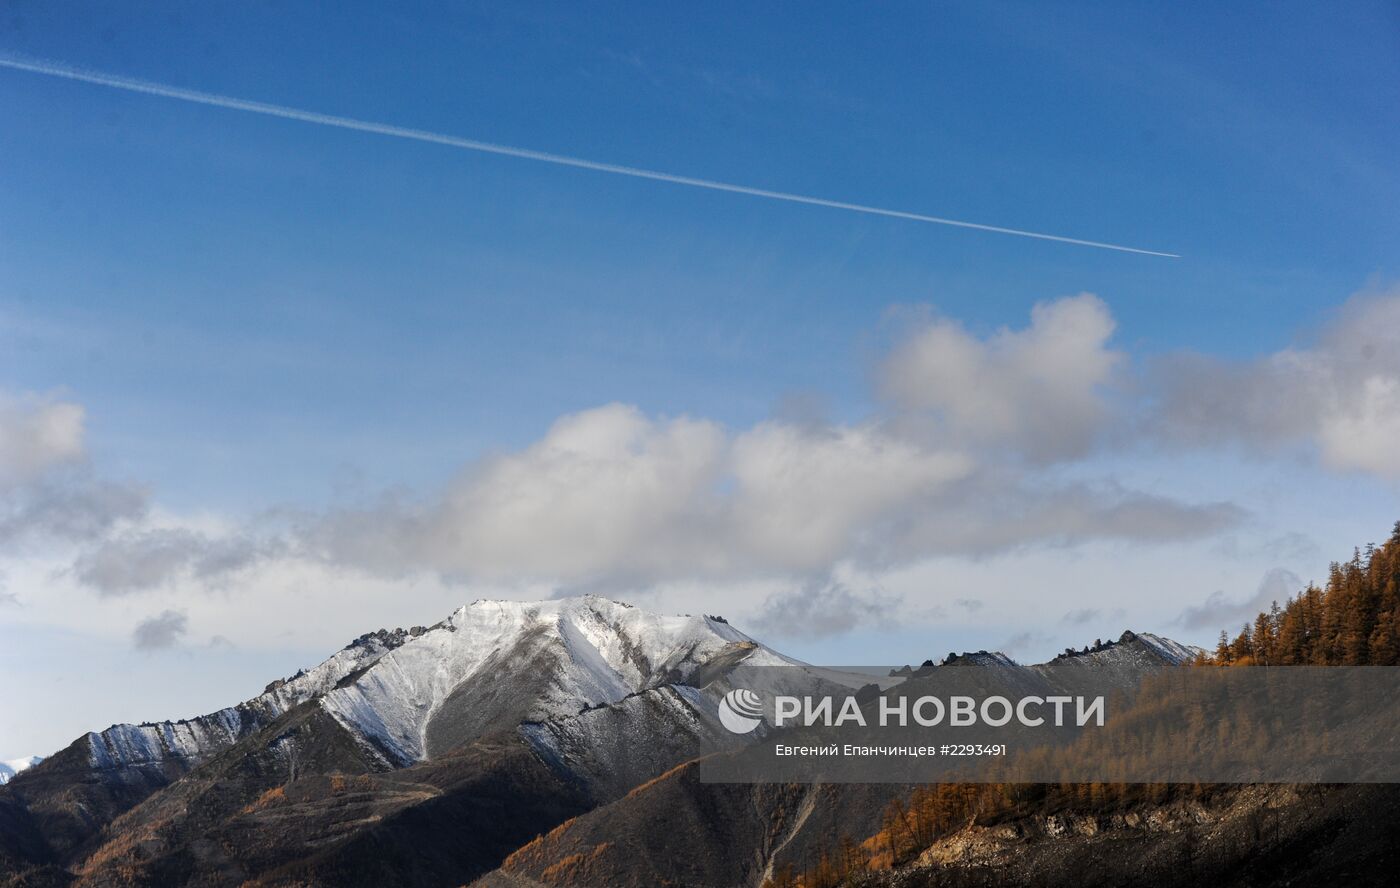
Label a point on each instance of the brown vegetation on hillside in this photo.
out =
(1353, 620)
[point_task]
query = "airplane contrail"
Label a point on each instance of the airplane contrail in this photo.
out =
(147, 87)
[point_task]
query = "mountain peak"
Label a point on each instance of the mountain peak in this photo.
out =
(1172, 652)
(496, 663)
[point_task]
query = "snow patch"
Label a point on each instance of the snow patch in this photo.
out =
(194, 740)
(584, 652)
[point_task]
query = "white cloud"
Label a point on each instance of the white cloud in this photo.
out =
(1340, 395)
(37, 435)
(824, 609)
(612, 499)
(805, 497)
(1220, 611)
(137, 560)
(611, 495)
(997, 511)
(47, 492)
(1038, 391)
(161, 631)
(1362, 431)
(67, 507)
(605, 490)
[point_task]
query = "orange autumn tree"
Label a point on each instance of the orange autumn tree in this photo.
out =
(1354, 620)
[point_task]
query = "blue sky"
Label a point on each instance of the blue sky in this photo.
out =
(257, 314)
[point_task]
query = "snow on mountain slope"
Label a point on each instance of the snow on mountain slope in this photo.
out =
(189, 741)
(406, 696)
(1123, 663)
(496, 664)
(9, 769)
(1174, 651)
(617, 745)
(490, 665)
(613, 748)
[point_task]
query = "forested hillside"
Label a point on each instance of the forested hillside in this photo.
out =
(1352, 620)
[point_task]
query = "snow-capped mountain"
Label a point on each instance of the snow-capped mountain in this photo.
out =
(14, 766)
(589, 691)
(498, 664)
(455, 744)
(767, 823)
(406, 695)
(188, 741)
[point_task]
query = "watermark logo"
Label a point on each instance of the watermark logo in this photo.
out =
(741, 710)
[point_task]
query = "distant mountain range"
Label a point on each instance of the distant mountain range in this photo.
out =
(438, 755)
